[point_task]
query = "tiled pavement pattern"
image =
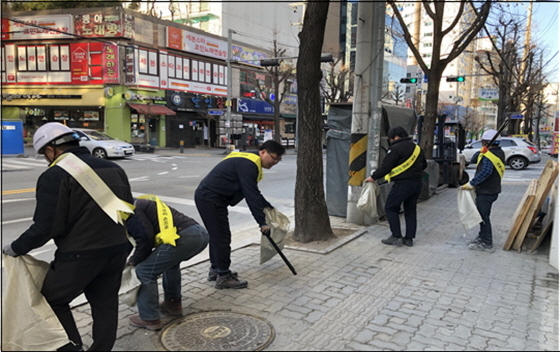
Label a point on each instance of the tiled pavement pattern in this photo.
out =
(437, 295)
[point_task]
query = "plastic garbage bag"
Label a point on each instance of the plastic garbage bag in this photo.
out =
(468, 213)
(130, 284)
(28, 321)
(367, 203)
(279, 227)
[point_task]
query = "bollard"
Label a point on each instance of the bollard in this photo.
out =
(181, 145)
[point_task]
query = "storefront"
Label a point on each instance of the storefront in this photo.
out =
(78, 107)
(195, 122)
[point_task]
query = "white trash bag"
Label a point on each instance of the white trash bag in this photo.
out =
(468, 213)
(367, 203)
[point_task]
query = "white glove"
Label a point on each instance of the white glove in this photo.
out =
(467, 186)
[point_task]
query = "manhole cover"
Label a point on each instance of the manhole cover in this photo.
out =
(218, 331)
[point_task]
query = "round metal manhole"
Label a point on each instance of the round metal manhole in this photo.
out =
(218, 331)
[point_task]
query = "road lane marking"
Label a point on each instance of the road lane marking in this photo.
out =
(15, 221)
(16, 191)
(16, 200)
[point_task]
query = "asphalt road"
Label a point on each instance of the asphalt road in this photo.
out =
(173, 177)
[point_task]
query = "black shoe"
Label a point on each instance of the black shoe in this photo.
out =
(408, 242)
(392, 241)
(229, 281)
(213, 274)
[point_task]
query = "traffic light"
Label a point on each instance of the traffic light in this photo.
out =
(409, 80)
(270, 62)
(456, 79)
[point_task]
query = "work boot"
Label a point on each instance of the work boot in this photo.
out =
(213, 274)
(172, 307)
(153, 325)
(392, 241)
(229, 281)
(407, 242)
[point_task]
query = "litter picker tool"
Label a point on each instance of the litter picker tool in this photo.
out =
(267, 234)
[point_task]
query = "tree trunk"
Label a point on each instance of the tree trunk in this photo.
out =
(311, 216)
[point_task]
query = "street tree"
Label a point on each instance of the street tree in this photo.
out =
(337, 79)
(470, 17)
(517, 70)
(473, 123)
(280, 71)
(397, 95)
(312, 221)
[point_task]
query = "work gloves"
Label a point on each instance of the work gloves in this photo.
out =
(467, 186)
(9, 251)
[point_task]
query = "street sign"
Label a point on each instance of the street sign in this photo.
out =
(215, 112)
(516, 116)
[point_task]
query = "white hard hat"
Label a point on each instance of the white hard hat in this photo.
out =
(488, 135)
(52, 132)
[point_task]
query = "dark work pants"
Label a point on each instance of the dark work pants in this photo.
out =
(484, 205)
(216, 221)
(99, 279)
(405, 193)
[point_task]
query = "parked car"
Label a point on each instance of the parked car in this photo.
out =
(547, 149)
(519, 152)
(102, 145)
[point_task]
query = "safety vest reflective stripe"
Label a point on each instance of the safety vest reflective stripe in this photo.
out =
(116, 208)
(498, 164)
(168, 232)
(251, 156)
(404, 166)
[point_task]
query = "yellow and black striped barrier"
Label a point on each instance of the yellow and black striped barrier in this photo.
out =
(358, 157)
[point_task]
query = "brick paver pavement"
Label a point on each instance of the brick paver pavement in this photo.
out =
(437, 295)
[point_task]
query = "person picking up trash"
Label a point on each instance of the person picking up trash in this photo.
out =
(164, 238)
(234, 178)
(403, 165)
(487, 183)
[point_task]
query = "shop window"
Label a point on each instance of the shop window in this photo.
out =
(31, 58)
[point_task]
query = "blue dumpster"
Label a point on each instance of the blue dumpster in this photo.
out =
(12, 137)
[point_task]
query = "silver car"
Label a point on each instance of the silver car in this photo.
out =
(519, 152)
(102, 145)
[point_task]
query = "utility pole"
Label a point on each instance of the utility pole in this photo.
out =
(229, 91)
(366, 110)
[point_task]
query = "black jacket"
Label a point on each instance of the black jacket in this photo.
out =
(493, 184)
(398, 153)
(144, 226)
(66, 213)
(232, 180)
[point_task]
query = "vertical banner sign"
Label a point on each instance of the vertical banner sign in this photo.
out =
(5, 29)
(111, 64)
(130, 67)
(79, 62)
(358, 156)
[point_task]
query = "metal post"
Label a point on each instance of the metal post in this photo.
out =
(229, 91)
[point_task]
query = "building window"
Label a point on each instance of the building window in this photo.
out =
(148, 62)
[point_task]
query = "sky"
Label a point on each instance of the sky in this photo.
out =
(546, 29)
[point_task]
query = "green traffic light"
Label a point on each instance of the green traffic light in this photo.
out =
(461, 79)
(413, 80)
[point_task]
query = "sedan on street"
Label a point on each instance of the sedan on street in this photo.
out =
(519, 152)
(102, 145)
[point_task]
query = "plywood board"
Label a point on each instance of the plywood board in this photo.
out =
(545, 182)
(522, 209)
(541, 237)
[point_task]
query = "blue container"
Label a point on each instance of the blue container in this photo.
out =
(12, 137)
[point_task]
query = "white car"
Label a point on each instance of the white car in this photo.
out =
(102, 145)
(519, 152)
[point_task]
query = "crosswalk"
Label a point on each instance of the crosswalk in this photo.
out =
(22, 164)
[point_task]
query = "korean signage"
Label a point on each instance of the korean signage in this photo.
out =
(74, 63)
(254, 106)
(196, 43)
(246, 55)
(104, 25)
(488, 94)
(39, 27)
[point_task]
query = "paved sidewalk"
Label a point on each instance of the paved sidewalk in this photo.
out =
(437, 295)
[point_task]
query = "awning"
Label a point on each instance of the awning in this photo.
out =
(152, 109)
